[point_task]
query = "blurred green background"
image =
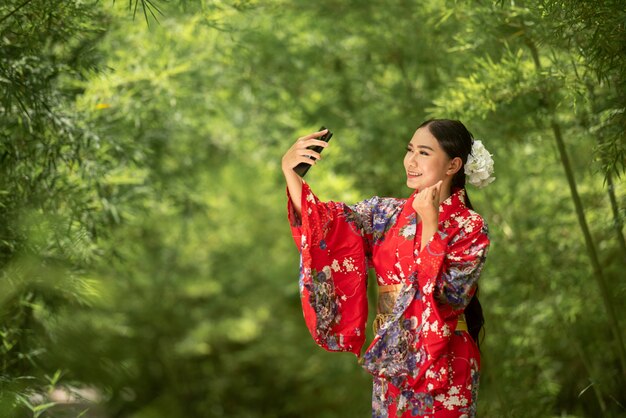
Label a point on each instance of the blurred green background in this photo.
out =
(146, 263)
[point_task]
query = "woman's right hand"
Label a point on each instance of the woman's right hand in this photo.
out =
(299, 152)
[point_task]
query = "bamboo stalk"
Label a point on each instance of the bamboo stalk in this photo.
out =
(591, 250)
(582, 221)
(618, 225)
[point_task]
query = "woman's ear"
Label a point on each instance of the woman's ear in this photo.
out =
(455, 165)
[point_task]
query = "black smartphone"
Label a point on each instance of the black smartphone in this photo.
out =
(302, 168)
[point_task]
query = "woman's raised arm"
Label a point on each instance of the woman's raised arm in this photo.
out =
(299, 153)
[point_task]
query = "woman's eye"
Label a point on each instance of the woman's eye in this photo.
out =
(409, 149)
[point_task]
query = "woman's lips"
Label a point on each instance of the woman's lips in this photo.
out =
(412, 174)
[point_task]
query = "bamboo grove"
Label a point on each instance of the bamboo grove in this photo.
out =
(146, 265)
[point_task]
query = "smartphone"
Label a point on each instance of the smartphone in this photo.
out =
(302, 168)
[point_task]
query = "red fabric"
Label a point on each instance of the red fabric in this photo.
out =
(415, 353)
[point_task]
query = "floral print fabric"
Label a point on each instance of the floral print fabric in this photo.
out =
(421, 366)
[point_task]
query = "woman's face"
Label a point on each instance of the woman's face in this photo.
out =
(426, 162)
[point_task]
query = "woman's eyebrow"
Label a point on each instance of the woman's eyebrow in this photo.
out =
(424, 146)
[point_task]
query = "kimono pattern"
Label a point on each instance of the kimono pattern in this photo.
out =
(422, 366)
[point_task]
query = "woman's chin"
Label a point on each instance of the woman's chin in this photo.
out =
(412, 184)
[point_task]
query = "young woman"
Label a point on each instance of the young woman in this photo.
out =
(427, 251)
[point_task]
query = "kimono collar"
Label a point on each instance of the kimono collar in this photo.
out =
(453, 203)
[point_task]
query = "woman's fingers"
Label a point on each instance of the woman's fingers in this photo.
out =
(300, 151)
(311, 142)
(436, 190)
(313, 135)
(306, 160)
(303, 147)
(430, 193)
(310, 153)
(426, 202)
(426, 193)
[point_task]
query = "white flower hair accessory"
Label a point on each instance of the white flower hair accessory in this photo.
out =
(479, 166)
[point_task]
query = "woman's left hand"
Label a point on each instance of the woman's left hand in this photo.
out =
(426, 204)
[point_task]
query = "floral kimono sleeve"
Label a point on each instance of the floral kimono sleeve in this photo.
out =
(333, 272)
(447, 272)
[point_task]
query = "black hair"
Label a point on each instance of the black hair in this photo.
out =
(456, 141)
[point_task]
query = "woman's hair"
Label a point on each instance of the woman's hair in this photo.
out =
(456, 141)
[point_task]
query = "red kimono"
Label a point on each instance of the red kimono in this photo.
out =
(421, 365)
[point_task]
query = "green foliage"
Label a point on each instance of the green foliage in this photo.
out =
(144, 247)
